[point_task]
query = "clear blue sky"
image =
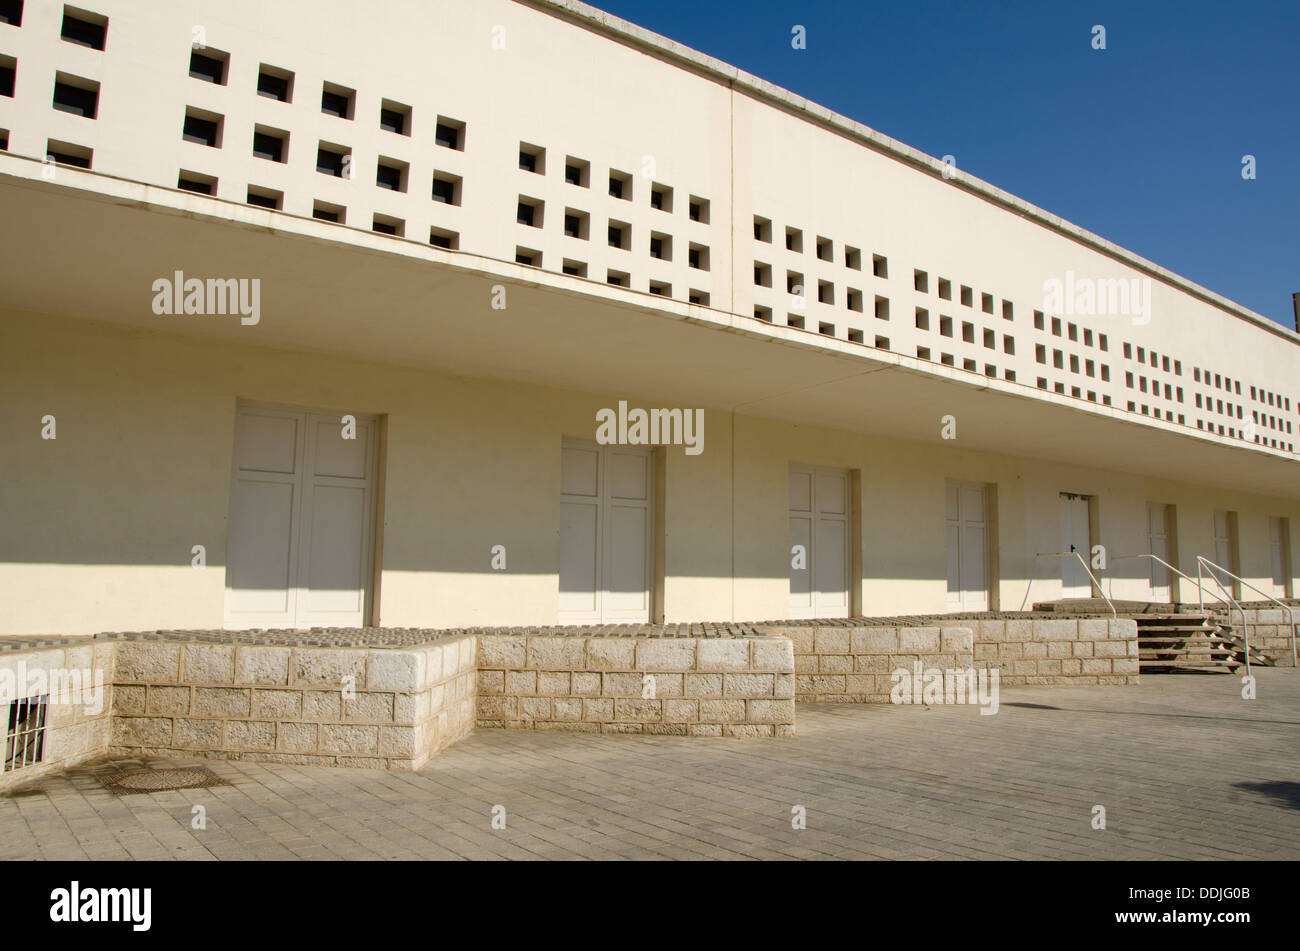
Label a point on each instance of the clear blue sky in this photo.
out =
(1141, 143)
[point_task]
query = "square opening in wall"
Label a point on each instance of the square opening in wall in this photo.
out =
(794, 283)
(882, 308)
(394, 117)
(4, 140)
(391, 173)
(661, 246)
(853, 297)
(763, 313)
(449, 134)
(986, 303)
(794, 320)
(324, 211)
(196, 182)
(532, 158)
(882, 343)
(921, 281)
(825, 249)
(619, 235)
(270, 144)
(762, 230)
(967, 296)
(853, 259)
(794, 240)
(75, 95)
(697, 257)
(384, 224)
(660, 289)
(661, 197)
(577, 224)
(922, 319)
(275, 83)
(573, 268)
(84, 28)
(879, 265)
(699, 210)
(265, 197)
(65, 153)
(825, 292)
(441, 238)
(8, 75)
(528, 256)
(202, 128)
(338, 101)
(698, 297)
(945, 289)
(762, 274)
(11, 12)
(446, 188)
(620, 185)
(530, 212)
(618, 278)
(209, 65)
(577, 172)
(335, 160)
(825, 329)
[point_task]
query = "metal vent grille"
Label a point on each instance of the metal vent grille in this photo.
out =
(25, 738)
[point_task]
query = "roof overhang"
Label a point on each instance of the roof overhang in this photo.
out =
(92, 246)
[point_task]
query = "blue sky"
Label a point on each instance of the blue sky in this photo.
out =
(1141, 143)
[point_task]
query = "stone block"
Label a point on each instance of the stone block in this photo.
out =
(770, 711)
(704, 729)
(921, 640)
(535, 708)
(221, 702)
(585, 684)
(148, 662)
(599, 710)
(322, 705)
(296, 737)
(704, 685)
(557, 653)
(959, 640)
(638, 710)
(610, 653)
(277, 705)
(681, 711)
(370, 707)
(722, 711)
(667, 654)
(773, 654)
(143, 731)
(169, 701)
(192, 734)
(491, 682)
(568, 708)
(874, 640)
(208, 664)
(747, 685)
(259, 664)
(832, 640)
(396, 670)
(720, 654)
(250, 735)
(1056, 630)
(129, 699)
(349, 740)
(328, 668)
(521, 682)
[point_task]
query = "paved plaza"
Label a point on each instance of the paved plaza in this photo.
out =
(1183, 766)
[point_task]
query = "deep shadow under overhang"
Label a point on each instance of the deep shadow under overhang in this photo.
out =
(91, 246)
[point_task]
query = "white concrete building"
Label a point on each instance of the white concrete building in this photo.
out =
(462, 230)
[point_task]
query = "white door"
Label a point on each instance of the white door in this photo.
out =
(300, 538)
(1158, 545)
(606, 533)
(819, 542)
(1225, 551)
(1278, 540)
(1075, 537)
(968, 576)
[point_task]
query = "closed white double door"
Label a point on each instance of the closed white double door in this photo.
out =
(300, 537)
(819, 542)
(606, 533)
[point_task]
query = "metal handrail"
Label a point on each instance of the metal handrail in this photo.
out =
(1201, 560)
(1245, 638)
(1111, 578)
(1067, 554)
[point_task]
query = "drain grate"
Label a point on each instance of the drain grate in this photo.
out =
(159, 780)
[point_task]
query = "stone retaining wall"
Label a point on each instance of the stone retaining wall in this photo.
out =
(75, 730)
(1266, 629)
(1051, 651)
(712, 686)
(321, 706)
(843, 663)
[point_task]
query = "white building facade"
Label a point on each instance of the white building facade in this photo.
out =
(436, 241)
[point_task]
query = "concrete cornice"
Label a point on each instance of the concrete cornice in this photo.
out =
(629, 34)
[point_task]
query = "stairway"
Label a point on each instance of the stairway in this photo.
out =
(1170, 643)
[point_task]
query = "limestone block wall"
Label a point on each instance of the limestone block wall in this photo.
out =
(850, 663)
(714, 686)
(292, 704)
(1266, 628)
(1038, 650)
(77, 714)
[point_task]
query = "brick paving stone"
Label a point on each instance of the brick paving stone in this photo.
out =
(1184, 767)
